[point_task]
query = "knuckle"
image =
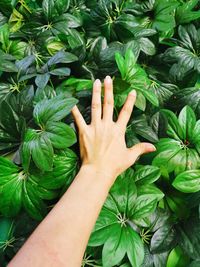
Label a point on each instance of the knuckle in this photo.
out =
(127, 109)
(95, 105)
(109, 102)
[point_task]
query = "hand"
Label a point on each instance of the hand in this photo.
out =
(102, 143)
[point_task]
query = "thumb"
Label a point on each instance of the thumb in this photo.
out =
(139, 149)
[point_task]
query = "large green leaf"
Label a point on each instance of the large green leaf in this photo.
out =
(64, 170)
(189, 237)
(60, 134)
(53, 110)
(163, 239)
(181, 152)
(21, 189)
(188, 181)
(38, 147)
(147, 175)
(115, 247)
(148, 197)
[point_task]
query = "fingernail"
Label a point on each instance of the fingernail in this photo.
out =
(151, 147)
(108, 77)
(97, 82)
(133, 93)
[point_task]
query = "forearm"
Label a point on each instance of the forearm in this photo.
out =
(61, 238)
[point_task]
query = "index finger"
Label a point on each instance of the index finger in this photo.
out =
(78, 118)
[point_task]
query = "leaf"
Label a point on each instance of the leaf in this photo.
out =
(135, 249)
(6, 232)
(115, 247)
(120, 63)
(149, 95)
(53, 110)
(42, 80)
(146, 175)
(64, 170)
(148, 196)
(60, 72)
(185, 13)
(60, 134)
(163, 239)
(48, 8)
(61, 57)
(4, 36)
(101, 230)
(187, 121)
(21, 189)
(10, 194)
(188, 181)
(39, 148)
(189, 237)
(147, 46)
(62, 6)
(177, 258)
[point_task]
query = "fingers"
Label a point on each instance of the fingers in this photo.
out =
(139, 149)
(127, 109)
(96, 102)
(108, 99)
(80, 122)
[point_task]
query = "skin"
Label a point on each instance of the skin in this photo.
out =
(61, 238)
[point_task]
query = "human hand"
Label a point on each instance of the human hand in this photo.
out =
(102, 143)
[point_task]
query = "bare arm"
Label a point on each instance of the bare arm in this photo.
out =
(61, 238)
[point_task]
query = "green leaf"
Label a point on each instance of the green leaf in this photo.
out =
(60, 134)
(115, 247)
(64, 170)
(163, 239)
(149, 95)
(6, 232)
(10, 194)
(48, 8)
(147, 46)
(120, 63)
(53, 109)
(135, 249)
(21, 189)
(61, 57)
(188, 234)
(39, 148)
(146, 175)
(62, 6)
(102, 228)
(185, 13)
(42, 80)
(188, 181)
(177, 258)
(146, 202)
(4, 36)
(187, 121)
(33, 203)
(60, 72)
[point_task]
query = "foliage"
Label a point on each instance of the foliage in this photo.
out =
(50, 54)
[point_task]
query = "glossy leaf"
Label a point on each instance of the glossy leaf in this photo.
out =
(53, 110)
(188, 181)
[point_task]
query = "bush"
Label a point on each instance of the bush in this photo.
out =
(50, 53)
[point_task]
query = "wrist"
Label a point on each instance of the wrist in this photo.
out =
(99, 174)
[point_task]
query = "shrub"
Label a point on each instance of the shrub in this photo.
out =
(50, 53)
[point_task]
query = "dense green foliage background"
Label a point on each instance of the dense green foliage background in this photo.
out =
(50, 53)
